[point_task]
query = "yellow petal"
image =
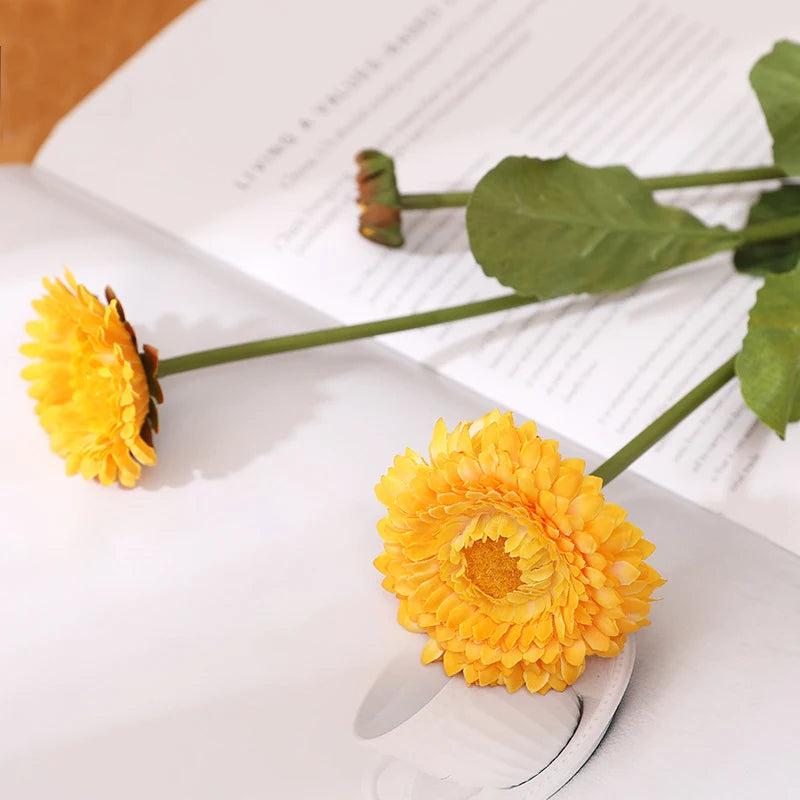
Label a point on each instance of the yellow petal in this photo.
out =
(596, 639)
(431, 652)
(535, 679)
(514, 681)
(453, 662)
(575, 653)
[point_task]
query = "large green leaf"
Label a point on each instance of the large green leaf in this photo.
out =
(555, 227)
(768, 365)
(776, 80)
(777, 255)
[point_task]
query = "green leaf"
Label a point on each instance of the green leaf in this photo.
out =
(768, 365)
(778, 255)
(556, 227)
(776, 81)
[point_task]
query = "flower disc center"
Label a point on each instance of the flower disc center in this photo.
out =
(491, 569)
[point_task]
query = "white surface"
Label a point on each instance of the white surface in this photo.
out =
(236, 131)
(487, 738)
(211, 633)
(601, 689)
(468, 737)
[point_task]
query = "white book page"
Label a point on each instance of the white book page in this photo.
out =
(236, 128)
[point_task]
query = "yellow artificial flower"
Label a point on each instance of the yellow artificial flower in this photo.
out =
(508, 558)
(96, 394)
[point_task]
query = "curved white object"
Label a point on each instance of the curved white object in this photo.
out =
(444, 739)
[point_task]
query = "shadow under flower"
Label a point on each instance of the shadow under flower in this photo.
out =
(216, 420)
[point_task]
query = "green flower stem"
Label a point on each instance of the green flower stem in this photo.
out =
(774, 229)
(346, 333)
(458, 199)
(714, 178)
(442, 200)
(656, 431)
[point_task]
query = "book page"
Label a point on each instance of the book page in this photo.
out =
(236, 128)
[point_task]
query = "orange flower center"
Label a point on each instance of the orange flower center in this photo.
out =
(491, 569)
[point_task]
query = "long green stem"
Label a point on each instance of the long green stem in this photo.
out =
(774, 229)
(608, 470)
(457, 199)
(654, 432)
(346, 333)
(440, 200)
(714, 178)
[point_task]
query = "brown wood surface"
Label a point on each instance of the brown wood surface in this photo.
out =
(54, 52)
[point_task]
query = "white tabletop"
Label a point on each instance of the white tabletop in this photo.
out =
(211, 633)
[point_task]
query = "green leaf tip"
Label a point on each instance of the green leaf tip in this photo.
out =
(768, 364)
(776, 81)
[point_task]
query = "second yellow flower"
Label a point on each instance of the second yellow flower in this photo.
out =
(508, 558)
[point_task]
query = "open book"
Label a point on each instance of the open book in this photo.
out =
(211, 178)
(222, 136)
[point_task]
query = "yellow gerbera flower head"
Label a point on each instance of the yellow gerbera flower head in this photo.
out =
(96, 393)
(508, 558)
